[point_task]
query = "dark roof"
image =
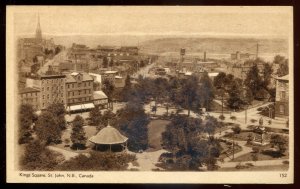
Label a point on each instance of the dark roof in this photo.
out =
(52, 76)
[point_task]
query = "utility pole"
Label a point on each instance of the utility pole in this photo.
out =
(257, 50)
(246, 114)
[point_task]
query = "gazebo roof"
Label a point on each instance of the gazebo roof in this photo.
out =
(108, 135)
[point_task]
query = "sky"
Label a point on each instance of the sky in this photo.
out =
(176, 20)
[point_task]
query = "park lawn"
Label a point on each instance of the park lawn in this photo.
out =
(155, 129)
(283, 167)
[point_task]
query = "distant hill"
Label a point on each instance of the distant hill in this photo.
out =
(215, 45)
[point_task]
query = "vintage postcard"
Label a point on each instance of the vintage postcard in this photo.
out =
(133, 94)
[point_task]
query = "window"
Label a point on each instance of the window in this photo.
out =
(42, 88)
(281, 109)
(84, 84)
(78, 84)
(43, 97)
(72, 85)
(47, 96)
(61, 87)
(282, 95)
(68, 86)
(47, 88)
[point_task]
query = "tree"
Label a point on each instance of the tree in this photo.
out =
(108, 89)
(283, 65)
(127, 90)
(253, 80)
(57, 50)
(105, 62)
(233, 118)
(111, 63)
(98, 161)
(78, 134)
(132, 122)
(190, 92)
(58, 110)
(236, 129)
(38, 158)
(47, 128)
(280, 142)
(211, 125)
(95, 116)
(206, 91)
(235, 95)
(189, 151)
(267, 73)
(26, 117)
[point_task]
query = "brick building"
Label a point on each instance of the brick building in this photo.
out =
(29, 95)
(79, 91)
(52, 90)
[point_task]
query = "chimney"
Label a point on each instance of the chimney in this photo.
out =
(204, 56)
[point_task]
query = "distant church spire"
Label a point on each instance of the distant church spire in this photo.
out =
(38, 33)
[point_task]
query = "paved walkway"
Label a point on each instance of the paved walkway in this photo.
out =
(245, 150)
(147, 160)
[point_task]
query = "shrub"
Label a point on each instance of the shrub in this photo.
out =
(256, 149)
(98, 161)
(286, 162)
(222, 117)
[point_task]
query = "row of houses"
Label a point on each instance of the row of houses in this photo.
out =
(74, 90)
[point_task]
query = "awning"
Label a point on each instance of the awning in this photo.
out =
(88, 106)
(76, 107)
(81, 107)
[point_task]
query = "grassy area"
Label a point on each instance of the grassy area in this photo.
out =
(155, 129)
(283, 167)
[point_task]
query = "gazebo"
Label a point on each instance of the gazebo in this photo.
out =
(109, 136)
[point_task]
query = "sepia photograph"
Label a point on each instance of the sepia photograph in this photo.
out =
(150, 94)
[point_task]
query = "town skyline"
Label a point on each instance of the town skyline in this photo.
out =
(251, 22)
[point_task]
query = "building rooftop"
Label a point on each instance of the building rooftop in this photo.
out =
(28, 90)
(70, 78)
(214, 74)
(108, 135)
(110, 72)
(99, 95)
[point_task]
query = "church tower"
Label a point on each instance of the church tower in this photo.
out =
(38, 32)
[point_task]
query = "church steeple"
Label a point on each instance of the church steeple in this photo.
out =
(38, 33)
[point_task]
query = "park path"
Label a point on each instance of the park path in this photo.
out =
(245, 150)
(147, 160)
(67, 154)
